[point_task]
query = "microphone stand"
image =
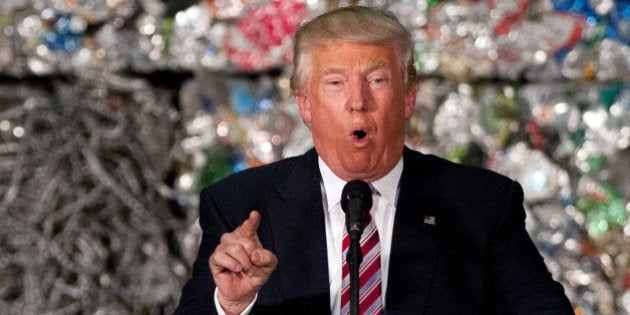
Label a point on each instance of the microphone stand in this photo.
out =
(356, 201)
(355, 256)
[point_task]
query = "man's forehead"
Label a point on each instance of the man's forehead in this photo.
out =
(332, 44)
(336, 56)
(334, 61)
(368, 66)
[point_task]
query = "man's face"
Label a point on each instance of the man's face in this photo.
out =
(356, 102)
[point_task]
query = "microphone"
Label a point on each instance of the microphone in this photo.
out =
(356, 202)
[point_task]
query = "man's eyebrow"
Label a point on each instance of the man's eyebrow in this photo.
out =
(371, 67)
(376, 66)
(332, 70)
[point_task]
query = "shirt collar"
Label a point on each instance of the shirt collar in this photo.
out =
(387, 185)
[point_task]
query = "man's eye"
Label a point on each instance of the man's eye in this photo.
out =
(333, 85)
(378, 82)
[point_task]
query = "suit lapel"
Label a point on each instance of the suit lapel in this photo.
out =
(298, 233)
(414, 251)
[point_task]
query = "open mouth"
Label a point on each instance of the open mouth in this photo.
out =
(359, 134)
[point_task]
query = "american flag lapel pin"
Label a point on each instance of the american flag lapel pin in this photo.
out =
(429, 220)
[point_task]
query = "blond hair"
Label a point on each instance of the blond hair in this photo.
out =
(354, 24)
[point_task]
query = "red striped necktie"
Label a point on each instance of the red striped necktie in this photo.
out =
(369, 272)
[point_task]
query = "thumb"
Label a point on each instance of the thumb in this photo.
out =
(264, 259)
(266, 263)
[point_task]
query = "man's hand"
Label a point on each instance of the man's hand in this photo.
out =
(240, 266)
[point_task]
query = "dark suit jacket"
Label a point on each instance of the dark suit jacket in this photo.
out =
(476, 258)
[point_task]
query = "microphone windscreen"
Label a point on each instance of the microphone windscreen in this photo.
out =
(358, 190)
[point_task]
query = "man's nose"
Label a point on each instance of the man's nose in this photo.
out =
(358, 96)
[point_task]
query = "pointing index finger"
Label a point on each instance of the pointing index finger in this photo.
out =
(250, 226)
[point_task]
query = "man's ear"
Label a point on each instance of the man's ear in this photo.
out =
(410, 100)
(304, 105)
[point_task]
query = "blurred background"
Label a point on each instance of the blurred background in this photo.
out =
(115, 113)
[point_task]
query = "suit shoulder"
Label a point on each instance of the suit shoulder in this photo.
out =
(441, 169)
(457, 181)
(254, 178)
(254, 181)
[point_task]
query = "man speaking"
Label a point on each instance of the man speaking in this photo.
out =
(439, 238)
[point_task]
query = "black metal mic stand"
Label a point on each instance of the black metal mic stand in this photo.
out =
(355, 256)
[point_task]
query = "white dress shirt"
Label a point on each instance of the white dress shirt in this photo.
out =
(383, 211)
